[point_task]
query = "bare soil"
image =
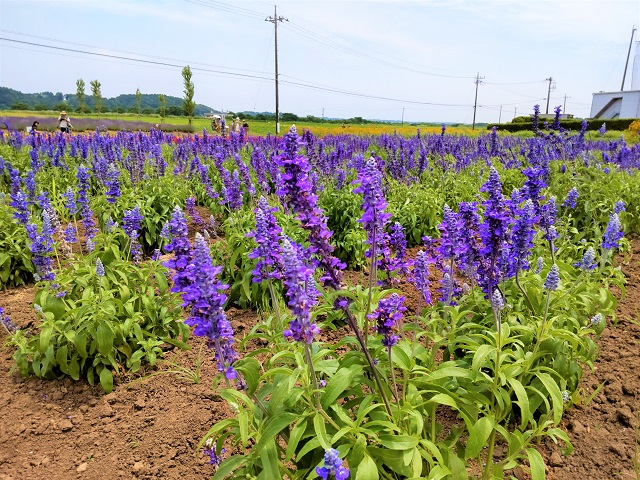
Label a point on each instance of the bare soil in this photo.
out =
(150, 426)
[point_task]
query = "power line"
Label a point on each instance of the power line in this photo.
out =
(231, 74)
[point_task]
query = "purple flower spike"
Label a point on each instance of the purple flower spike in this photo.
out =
(588, 260)
(267, 252)
(553, 279)
(6, 322)
(613, 234)
(420, 276)
(210, 451)
(619, 207)
(572, 199)
(332, 467)
(387, 316)
(179, 245)
(99, 268)
(300, 290)
(207, 301)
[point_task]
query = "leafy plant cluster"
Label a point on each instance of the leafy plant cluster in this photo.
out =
(104, 316)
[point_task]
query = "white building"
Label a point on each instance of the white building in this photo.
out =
(625, 104)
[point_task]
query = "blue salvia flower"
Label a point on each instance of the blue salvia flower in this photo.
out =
(297, 192)
(299, 285)
(548, 215)
(210, 451)
(522, 238)
(30, 185)
(70, 234)
(85, 207)
(177, 232)
(374, 217)
(387, 317)
(588, 260)
(539, 265)
(556, 120)
(190, 206)
(20, 203)
(497, 301)
(99, 268)
(493, 232)
(602, 130)
(110, 225)
(619, 207)
(266, 235)
(6, 322)
(41, 247)
(206, 301)
(112, 183)
(553, 279)
(613, 234)
(449, 233)
(131, 223)
(70, 203)
(596, 320)
(420, 276)
(332, 467)
(398, 243)
(572, 198)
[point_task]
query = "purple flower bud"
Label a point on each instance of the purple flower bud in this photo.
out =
(332, 467)
(553, 279)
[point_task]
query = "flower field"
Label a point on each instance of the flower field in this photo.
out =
(339, 306)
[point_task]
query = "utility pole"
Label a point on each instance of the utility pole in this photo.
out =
(402, 122)
(633, 30)
(500, 116)
(275, 19)
(515, 112)
(564, 105)
(550, 79)
(323, 113)
(475, 103)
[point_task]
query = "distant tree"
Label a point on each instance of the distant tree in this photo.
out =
(61, 106)
(40, 107)
(82, 107)
(19, 106)
(163, 106)
(173, 110)
(147, 111)
(97, 96)
(289, 117)
(188, 105)
(138, 102)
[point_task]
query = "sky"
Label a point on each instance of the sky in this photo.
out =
(412, 61)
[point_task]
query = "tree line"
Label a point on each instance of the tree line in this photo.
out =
(93, 101)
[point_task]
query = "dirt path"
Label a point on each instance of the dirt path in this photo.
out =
(149, 429)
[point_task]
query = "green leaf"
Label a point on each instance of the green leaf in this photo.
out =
(556, 395)
(104, 336)
(106, 379)
(399, 442)
(523, 401)
(274, 426)
(321, 431)
(338, 384)
(478, 435)
(367, 469)
(229, 465)
(536, 463)
(294, 438)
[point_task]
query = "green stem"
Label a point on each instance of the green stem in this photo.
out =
(524, 293)
(274, 302)
(354, 326)
(489, 464)
(373, 276)
(312, 371)
(496, 381)
(393, 378)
